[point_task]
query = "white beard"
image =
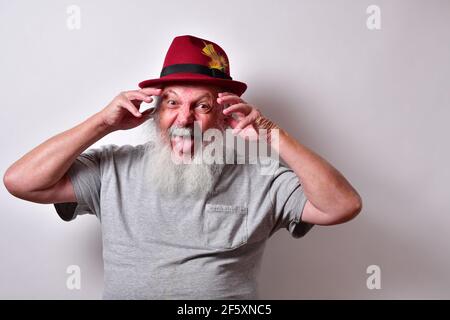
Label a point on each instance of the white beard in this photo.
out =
(172, 179)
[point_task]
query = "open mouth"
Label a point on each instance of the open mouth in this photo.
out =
(182, 144)
(182, 138)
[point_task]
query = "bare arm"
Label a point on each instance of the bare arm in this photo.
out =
(40, 175)
(46, 164)
(331, 198)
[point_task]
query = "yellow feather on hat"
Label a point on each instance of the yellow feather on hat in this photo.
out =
(217, 61)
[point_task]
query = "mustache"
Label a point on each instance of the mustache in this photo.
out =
(175, 131)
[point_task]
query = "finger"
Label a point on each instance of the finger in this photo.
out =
(221, 94)
(238, 114)
(126, 104)
(244, 108)
(151, 91)
(248, 120)
(137, 95)
(145, 116)
(230, 99)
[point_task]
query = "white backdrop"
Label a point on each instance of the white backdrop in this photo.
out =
(374, 103)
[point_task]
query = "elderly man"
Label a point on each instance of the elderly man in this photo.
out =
(171, 229)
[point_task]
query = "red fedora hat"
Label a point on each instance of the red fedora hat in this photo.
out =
(191, 59)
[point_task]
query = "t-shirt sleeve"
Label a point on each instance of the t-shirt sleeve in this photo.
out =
(85, 175)
(288, 201)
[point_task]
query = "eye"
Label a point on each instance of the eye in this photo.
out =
(203, 107)
(171, 102)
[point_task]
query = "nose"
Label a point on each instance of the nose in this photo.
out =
(185, 116)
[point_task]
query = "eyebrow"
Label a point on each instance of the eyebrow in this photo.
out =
(207, 94)
(171, 91)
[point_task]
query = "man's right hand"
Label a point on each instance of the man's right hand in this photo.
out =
(123, 112)
(41, 174)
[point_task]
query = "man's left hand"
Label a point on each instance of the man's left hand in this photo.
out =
(247, 123)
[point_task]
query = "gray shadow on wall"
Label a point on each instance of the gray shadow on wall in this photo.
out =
(330, 262)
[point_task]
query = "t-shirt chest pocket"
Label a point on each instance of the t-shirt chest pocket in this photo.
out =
(225, 226)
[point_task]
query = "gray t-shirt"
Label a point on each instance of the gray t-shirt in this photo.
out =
(183, 247)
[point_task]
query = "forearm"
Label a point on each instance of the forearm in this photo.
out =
(45, 165)
(325, 187)
(327, 190)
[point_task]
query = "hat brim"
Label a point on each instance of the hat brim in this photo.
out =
(236, 87)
